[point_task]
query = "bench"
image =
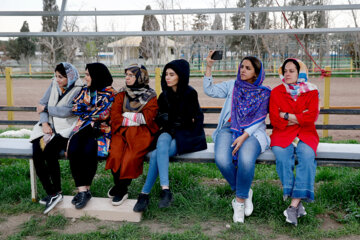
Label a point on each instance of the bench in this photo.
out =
(328, 154)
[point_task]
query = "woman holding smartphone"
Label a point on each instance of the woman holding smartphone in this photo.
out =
(240, 136)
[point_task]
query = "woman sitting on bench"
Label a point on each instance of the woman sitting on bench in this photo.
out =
(133, 129)
(241, 133)
(181, 125)
(50, 135)
(91, 135)
(294, 108)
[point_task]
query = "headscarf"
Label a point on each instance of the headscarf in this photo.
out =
(100, 76)
(249, 104)
(72, 75)
(138, 94)
(301, 85)
(182, 68)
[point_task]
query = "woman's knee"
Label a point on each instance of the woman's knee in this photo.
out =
(305, 151)
(222, 161)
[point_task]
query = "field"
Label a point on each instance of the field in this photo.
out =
(343, 92)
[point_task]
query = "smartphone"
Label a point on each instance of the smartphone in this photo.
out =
(217, 55)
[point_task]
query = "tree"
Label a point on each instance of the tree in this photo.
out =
(309, 19)
(22, 48)
(51, 47)
(91, 51)
(71, 44)
(200, 23)
(250, 45)
(149, 46)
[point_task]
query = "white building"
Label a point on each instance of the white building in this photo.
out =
(126, 51)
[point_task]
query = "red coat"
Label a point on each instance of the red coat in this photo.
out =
(281, 101)
(129, 145)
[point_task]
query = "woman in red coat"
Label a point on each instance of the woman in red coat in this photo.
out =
(133, 129)
(294, 108)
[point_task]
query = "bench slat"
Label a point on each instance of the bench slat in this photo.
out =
(327, 153)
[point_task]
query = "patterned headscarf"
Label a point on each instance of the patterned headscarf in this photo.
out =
(301, 85)
(138, 94)
(249, 104)
(72, 75)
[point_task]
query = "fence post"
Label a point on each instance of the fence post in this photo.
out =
(157, 81)
(274, 62)
(9, 92)
(326, 101)
(30, 70)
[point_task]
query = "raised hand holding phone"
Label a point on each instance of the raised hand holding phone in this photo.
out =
(217, 55)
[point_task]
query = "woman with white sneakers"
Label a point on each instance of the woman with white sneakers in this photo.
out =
(240, 136)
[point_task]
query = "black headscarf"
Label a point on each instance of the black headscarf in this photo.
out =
(100, 76)
(182, 69)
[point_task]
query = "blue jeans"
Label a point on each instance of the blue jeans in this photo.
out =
(159, 162)
(239, 177)
(302, 185)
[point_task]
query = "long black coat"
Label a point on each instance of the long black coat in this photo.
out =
(182, 118)
(179, 112)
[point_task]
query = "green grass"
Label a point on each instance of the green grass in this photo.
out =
(329, 140)
(199, 199)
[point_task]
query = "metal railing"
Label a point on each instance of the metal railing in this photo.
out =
(209, 110)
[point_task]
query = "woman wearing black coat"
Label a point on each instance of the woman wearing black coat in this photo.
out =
(181, 124)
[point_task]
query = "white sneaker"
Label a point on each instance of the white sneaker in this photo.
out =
(249, 207)
(239, 211)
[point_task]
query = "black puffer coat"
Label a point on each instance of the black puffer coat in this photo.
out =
(179, 112)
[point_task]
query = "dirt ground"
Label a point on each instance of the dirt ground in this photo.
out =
(343, 92)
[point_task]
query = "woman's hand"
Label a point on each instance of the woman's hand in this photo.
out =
(46, 128)
(40, 108)
(209, 63)
(238, 142)
(292, 120)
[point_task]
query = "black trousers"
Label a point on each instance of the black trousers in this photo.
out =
(82, 153)
(46, 163)
(121, 185)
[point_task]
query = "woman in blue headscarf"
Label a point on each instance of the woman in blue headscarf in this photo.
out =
(240, 136)
(50, 135)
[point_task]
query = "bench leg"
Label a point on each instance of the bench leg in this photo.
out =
(33, 181)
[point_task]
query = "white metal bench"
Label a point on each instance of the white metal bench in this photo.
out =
(328, 154)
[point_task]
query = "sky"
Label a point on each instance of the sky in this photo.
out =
(130, 23)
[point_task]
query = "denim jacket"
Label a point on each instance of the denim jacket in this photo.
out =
(225, 90)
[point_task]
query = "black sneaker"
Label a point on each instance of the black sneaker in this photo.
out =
(83, 198)
(119, 199)
(54, 199)
(45, 200)
(166, 198)
(112, 192)
(142, 203)
(75, 199)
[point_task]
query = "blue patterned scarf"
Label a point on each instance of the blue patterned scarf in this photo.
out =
(249, 104)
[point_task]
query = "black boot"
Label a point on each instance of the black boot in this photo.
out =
(166, 198)
(142, 203)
